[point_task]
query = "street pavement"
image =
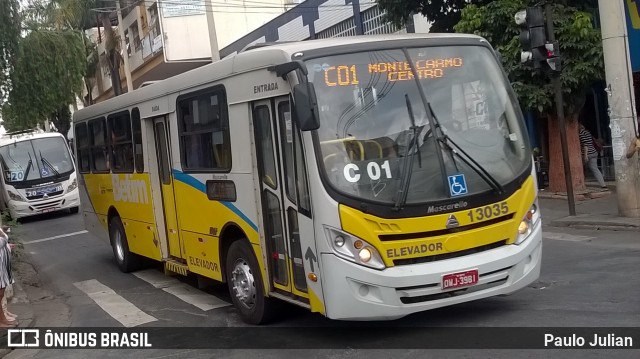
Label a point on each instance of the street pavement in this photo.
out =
(590, 277)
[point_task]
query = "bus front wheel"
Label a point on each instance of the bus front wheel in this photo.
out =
(127, 261)
(245, 284)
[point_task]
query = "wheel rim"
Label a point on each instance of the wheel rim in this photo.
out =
(244, 286)
(117, 240)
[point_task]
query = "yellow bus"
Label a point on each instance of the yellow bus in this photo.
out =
(362, 178)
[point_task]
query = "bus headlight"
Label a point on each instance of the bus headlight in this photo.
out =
(73, 185)
(15, 196)
(353, 248)
(529, 220)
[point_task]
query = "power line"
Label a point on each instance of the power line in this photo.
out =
(203, 7)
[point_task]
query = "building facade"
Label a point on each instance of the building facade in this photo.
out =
(167, 37)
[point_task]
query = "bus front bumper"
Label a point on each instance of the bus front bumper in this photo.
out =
(354, 292)
(19, 209)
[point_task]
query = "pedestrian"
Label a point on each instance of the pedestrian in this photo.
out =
(634, 146)
(590, 155)
(7, 320)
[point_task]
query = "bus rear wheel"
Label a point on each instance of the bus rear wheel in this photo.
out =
(246, 286)
(127, 261)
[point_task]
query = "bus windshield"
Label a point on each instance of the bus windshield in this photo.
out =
(376, 139)
(35, 159)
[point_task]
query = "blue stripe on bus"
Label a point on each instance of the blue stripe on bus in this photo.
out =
(193, 182)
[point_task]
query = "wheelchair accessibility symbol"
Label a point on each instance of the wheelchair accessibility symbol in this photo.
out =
(457, 185)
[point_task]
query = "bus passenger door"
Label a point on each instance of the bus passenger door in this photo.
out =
(163, 155)
(275, 147)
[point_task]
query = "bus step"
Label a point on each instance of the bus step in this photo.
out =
(176, 267)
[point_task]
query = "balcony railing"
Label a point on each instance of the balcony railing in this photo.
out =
(151, 45)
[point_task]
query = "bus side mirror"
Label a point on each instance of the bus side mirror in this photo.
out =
(306, 107)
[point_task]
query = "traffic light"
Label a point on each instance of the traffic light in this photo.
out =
(553, 58)
(532, 32)
(536, 50)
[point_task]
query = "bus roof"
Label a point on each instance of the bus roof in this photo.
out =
(252, 59)
(9, 138)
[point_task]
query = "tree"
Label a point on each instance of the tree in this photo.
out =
(9, 37)
(53, 60)
(47, 76)
(112, 41)
(583, 64)
(443, 14)
(62, 120)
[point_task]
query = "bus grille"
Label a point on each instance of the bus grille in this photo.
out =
(439, 257)
(442, 232)
(455, 293)
(50, 195)
(432, 291)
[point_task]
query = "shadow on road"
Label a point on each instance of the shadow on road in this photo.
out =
(47, 216)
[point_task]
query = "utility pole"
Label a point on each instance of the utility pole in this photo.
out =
(213, 37)
(621, 104)
(557, 86)
(541, 51)
(123, 46)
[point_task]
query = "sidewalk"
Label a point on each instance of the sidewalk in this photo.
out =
(18, 301)
(600, 212)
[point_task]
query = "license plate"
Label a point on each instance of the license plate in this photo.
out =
(460, 279)
(47, 210)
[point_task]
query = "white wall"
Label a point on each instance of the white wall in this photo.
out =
(186, 31)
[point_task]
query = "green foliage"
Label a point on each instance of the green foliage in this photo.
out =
(49, 62)
(62, 120)
(9, 37)
(443, 14)
(47, 75)
(580, 47)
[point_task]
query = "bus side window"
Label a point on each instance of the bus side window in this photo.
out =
(121, 159)
(203, 124)
(83, 151)
(137, 140)
(98, 136)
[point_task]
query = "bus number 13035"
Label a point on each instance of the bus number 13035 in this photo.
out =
(488, 212)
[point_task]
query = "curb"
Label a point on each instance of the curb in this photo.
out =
(589, 222)
(578, 196)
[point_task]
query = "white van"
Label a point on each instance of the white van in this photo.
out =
(38, 174)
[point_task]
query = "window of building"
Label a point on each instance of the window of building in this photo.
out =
(83, 147)
(136, 36)
(99, 145)
(137, 140)
(121, 143)
(203, 125)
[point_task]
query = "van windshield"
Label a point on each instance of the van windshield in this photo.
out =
(36, 159)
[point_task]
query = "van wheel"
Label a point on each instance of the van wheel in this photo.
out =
(127, 261)
(246, 286)
(74, 210)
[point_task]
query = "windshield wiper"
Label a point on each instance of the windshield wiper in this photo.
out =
(47, 163)
(432, 123)
(407, 166)
(26, 172)
(469, 161)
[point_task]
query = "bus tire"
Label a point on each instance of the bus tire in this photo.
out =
(245, 284)
(127, 261)
(74, 210)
